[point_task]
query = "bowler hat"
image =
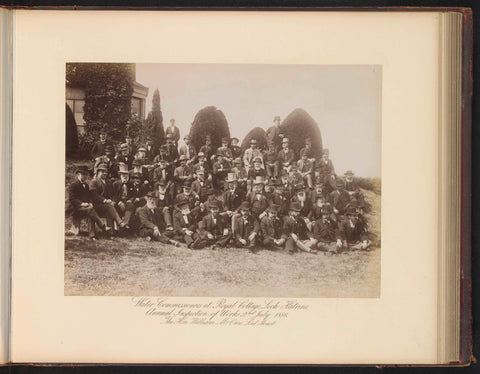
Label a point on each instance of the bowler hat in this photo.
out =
(210, 191)
(102, 167)
(245, 205)
(151, 194)
(339, 183)
(181, 200)
(257, 159)
(351, 211)
(187, 184)
(136, 176)
(274, 208)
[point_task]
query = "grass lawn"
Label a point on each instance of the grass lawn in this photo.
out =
(133, 267)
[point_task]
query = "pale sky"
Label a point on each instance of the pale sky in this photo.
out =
(344, 100)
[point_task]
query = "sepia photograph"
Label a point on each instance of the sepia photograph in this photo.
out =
(231, 180)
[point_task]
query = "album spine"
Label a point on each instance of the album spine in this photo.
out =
(6, 105)
(466, 201)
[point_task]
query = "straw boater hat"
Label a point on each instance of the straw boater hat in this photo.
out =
(259, 180)
(231, 177)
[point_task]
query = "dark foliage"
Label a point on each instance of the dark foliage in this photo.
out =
(108, 90)
(212, 121)
(259, 135)
(71, 136)
(154, 123)
(298, 126)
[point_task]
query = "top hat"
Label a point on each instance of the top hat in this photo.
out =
(245, 205)
(231, 177)
(83, 170)
(295, 206)
(259, 180)
(123, 168)
(349, 173)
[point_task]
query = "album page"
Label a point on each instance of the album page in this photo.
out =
(326, 122)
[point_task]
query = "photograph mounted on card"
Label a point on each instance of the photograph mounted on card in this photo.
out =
(223, 180)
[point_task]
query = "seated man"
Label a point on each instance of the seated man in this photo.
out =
(107, 160)
(188, 194)
(278, 198)
(207, 149)
(353, 232)
(339, 198)
(188, 150)
(132, 148)
(214, 228)
(124, 156)
(325, 231)
(305, 168)
(185, 225)
(295, 232)
(256, 171)
(98, 148)
(236, 150)
(183, 173)
(225, 151)
(200, 186)
(318, 208)
(163, 173)
(271, 162)
(138, 168)
(152, 223)
(271, 228)
(240, 173)
(220, 169)
(352, 188)
(122, 197)
(101, 192)
(294, 176)
(303, 201)
(325, 171)
(257, 198)
(81, 201)
(286, 155)
(246, 228)
(165, 203)
(251, 154)
(233, 196)
(307, 150)
(203, 164)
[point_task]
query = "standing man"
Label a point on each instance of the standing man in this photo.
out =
(173, 131)
(251, 154)
(236, 149)
(81, 202)
(225, 150)
(273, 134)
(98, 148)
(188, 150)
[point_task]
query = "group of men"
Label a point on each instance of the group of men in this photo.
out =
(259, 199)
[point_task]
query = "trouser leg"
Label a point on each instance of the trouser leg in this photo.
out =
(166, 216)
(290, 245)
(129, 209)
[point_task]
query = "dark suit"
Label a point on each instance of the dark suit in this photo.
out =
(325, 231)
(233, 199)
(79, 193)
(208, 226)
(98, 149)
(258, 205)
(286, 157)
(125, 159)
(244, 228)
(201, 189)
(271, 229)
(339, 200)
(183, 223)
(102, 190)
(149, 221)
(294, 226)
(175, 132)
(306, 207)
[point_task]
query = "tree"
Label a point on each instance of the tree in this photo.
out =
(71, 135)
(108, 91)
(259, 135)
(154, 121)
(298, 126)
(211, 121)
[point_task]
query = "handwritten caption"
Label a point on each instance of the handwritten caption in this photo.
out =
(243, 312)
